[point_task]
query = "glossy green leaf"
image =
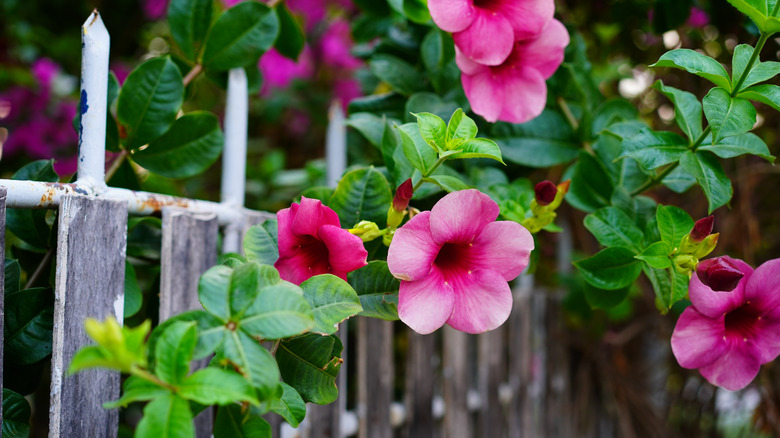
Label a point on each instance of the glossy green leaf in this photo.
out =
(362, 194)
(673, 224)
(687, 109)
(767, 94)
(137, 389)
(460, 127)
(390, 104)
(246, 282)
(260, 243)
(737, 145)
(448, 183)
(370, 125)
(278, 311)
(28, 326)
(30, 224)
(759, 11)
(611, 112)
(696, 63)
(149, 101)
(16, 415)
(290, 406)
(332, 300)
(653, 149)
(93, 357)
(669, 286)
(167, 416)
(215, 386)
(189, 21)
(310, 364)
(417, 10)
(426, 101)
(603, 298)
(189, 147)
(707, 170)
(291, 37)
(377, 289)
(657, 255)
(213, 288)
(679, 180)
(611, 268)
(397, 73)
(174, 351)
(210, 332)
(760, 71)
(12, 277)
(545, 141)
(591, 187)
(614, 228)
(253, 361)
(433, 130)
(728, 116)
(133, 296)
(231, 422)
(417, 151)
(240, 35)
(479, 148)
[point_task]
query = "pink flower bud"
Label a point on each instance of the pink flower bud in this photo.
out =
(702, 228)
(403, 195)
(719, 274)
(545, 192)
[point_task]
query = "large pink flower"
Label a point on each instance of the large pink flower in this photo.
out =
(312, 242)
(515, 91)
(485, 30)
(454, 263)
(729, 335)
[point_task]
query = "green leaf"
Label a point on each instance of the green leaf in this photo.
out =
(133, 296)
(605, 299)
(433, 130)
(370, 125)
(253, 361)
(189, 147)
(232, 423)
(260, 243)
(460, 127)
(417, 11)
(767, 94)
(310, 364)
(189, 22)
(240, 35)
(420, 154)
(93, 357)
(167, 416)
(591, 187)
(426, 101)
(727, 116)
(28, 224)
(611, 268)
(612, 112)
(657, 255)
(737, 145)
(390, 104)
(174, 350)
(12, 277)
(448, 183)
(214, 386)
(479, 148)
(673, 224)
(760, 71)
(377, 289)
(758, 11)
(246, 282)
(614, 228)
(397, 73)
(542, 142)
(679, 180)
(16, 415)
(653, 149)
(687, 109)
(332, 300)
(710, 176)
(213, 288)
(150, 100)
(669, 286)
(137, 389)
(290, 406)
(291, 38)
(696, 63)
(29, 317)
(362, 194)
(279, 311)
(210, 332)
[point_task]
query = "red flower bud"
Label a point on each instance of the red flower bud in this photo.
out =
(701, 229)
(719, 274)
(403, 195)
(545, 192)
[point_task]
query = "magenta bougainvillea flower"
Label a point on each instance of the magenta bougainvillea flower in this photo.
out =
(485, 30)
(312, 242)
(454, 263)
(729, 335)
(515, 91)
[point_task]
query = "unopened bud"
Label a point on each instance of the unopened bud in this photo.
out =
(719, 274)
(702, 228)
(545, 192)
(403, 195)
(366, 230)
(563, 188)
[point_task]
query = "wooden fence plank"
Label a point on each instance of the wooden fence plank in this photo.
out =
(520, 411)
(91, 244)
(420, 378)
(456, 380)
(490, 374)
(375, 377)
(3, 192)
(189, 248)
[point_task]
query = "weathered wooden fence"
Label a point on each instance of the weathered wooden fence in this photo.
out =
(511, 382)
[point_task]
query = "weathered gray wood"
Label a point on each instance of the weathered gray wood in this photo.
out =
(375, 377)
(559, 411)
(2, 291)
(490, 375)
(456, 381)
(420, 378)
(520, 411)
(324, 420)
(90, 275)
(189, 248)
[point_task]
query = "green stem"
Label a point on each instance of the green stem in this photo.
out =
(275, 347)
(146, 375)
(775, 9)
(429, 172)
(192, 74)
(567, 112)
(756, 51)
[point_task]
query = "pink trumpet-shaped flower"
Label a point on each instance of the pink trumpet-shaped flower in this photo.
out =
(454, 263)
(485, 30)
(729, 335)
(312, 242)
(515, 91)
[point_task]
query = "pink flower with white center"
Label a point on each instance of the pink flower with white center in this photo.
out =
(729, 335)
(454, 263)
(485, 30)
(312, 242)
(515, 91)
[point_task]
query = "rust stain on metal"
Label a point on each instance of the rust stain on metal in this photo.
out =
(156, 203)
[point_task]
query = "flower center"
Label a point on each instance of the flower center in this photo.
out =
(741, 322)
(484, 4)
(452, 256)
(316, 255)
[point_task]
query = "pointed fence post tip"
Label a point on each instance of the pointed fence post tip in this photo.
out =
(95, 47)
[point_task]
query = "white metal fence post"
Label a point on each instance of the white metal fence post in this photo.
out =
(234, 154)
(335, 145)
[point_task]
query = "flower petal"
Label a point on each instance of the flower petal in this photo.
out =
(503, 246)
(483, 301)
(301, 267)
(459, 217)
(413, 249)
(525, 95)
(715, 304)
(697, 340)
(426, 304)
(452, 15)
(345, 250)
(288, 243)
(488, 40)
(310, 216)
(735, 368)
(467, 66)
(762, 289)
(485, 95)
(767, 339)
(545, 53)
(528, 18)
